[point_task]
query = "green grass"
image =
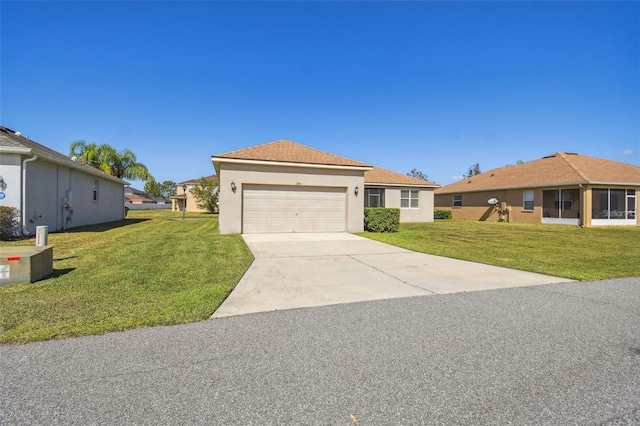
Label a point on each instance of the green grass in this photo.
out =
(150, 269)
(563, 251)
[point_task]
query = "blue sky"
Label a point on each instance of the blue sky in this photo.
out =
(435, 86)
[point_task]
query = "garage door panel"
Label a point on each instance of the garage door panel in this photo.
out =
(270, 209)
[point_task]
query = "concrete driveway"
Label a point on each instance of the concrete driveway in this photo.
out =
(304, 270)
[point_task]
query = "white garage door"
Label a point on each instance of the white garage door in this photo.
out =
(271, 209)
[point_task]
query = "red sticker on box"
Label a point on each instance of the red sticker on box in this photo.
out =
(13, 259)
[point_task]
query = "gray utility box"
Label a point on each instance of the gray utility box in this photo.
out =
(25, 264)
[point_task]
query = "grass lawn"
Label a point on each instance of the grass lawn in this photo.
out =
(150, 269)
(564, 251)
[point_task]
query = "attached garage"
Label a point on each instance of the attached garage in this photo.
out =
(279, 208)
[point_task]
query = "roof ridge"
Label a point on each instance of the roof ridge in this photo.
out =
(564, 156)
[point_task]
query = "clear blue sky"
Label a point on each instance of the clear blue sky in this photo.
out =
(435, 86)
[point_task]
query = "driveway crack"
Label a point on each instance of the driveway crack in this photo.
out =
(389, 275)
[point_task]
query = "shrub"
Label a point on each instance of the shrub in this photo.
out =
(441, 214)
(9, 222)
(377, 219)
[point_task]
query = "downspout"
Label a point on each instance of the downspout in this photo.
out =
(24, 193)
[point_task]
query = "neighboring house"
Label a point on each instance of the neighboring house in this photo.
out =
(51, 189)
(135, 196)
(562, 188)
(283, 186)
(178, 200)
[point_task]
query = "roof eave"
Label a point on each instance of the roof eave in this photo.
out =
(412, 185)
(217, 160)
(504, 188)
(14, 150)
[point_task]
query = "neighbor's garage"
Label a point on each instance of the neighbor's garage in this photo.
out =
(272, 208)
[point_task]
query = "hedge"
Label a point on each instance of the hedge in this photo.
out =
(441, 214)
(378, 219)
(9, 223)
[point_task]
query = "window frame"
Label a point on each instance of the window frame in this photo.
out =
(96, 190)
(525, 200)
(412, 195)
(380, 192)
(458, 201)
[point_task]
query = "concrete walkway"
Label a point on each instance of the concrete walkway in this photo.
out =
(304, 270)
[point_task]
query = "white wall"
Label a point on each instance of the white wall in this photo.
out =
(422, 214)
(231, 203)
(48, 186)
(10, 170)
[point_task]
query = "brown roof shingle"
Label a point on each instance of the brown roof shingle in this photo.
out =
(378, 175)
(285, 151)
(557, 169)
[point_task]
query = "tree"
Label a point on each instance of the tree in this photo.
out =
(122, 164)
(474, 169)
(168, 189)
(417, 174)
(206, 194)
(153, 188)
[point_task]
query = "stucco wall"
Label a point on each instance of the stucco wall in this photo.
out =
(422, 214)
(48, 186)
(475, 206)
(10, 170)
(242, 174)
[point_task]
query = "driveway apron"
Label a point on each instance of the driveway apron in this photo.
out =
(304, 270)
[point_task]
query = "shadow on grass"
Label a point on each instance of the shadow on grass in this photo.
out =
(60, 272)
(101, 227)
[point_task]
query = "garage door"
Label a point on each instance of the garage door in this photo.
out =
(293, 209)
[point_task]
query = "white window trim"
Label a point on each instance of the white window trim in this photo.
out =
(453, 204)
(96, 191)
(410, 198)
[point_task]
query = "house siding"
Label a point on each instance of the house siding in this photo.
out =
(47, 190)
(422, 214)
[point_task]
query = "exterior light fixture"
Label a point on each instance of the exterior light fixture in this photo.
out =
(184, 208)
(233, 187)
(356, 190)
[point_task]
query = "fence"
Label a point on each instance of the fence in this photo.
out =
(148, 206)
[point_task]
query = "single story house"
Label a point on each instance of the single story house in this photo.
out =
(49, 188)
(563, 188)
(284, 186)
(178, 200)
(135, 196)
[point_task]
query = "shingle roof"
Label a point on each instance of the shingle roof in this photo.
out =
(378, 175)
(285, 151)
(557, 169)
(9, 140)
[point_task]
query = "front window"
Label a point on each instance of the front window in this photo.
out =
(527, 203)
(374, 197)
(457, 201)
(409, 198)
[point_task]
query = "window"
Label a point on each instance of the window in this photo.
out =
(409, 198)
(613, 204)
(95, 191)
(563, 200)
(527, 203)
(457, 201)
(374, 197)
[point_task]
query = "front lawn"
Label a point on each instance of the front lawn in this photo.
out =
(564, 251)
(150, 269)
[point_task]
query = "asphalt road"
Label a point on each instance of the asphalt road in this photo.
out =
(551, 354)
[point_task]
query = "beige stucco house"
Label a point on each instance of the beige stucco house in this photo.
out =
(563, 188)
(51, 189)
(178, 200)
(284, 186)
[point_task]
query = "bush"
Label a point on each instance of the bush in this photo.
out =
(9, 223)
(441, 214)
(377, 219)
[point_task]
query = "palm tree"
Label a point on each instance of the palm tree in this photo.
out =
(123, 164)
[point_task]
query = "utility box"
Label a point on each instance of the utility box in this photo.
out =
(26, 264)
